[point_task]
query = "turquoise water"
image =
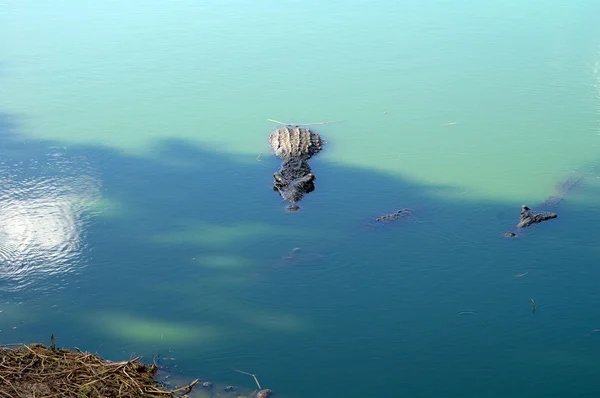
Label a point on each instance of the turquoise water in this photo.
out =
(136, 215)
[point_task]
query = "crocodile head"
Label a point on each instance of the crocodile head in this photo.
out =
(293, 190)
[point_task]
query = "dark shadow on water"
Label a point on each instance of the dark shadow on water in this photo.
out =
(185, 255)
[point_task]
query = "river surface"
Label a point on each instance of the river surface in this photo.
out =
(137, 215)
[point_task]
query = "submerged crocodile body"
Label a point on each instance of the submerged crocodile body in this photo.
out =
(395, 215)
(295, 146)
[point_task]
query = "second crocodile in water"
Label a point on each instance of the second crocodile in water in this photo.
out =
(528, 217)
(295, 146)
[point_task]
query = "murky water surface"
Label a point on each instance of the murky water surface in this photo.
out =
(137, 213)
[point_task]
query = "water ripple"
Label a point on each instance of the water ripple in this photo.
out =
(43, 215)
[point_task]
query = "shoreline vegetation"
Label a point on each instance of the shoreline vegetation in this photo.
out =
(35, 370)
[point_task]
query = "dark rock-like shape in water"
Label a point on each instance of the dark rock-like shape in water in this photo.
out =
(295, 146)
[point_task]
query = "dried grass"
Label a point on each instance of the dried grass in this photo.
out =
(28, 371)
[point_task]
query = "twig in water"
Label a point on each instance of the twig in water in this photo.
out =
(329, 122)
(466, 313)
(250, 374)
(304, 124)
(52, 342)
(520, 275)
(449, 124)
(258, 157)
(187, 388)
(290, 256)
(277, 121)
(593, 331)
(532, 306)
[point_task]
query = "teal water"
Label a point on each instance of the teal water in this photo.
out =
(136, 218)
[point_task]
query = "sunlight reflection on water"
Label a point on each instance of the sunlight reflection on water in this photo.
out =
(43, 213)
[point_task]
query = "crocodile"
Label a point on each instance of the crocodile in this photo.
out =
(395, 215)
(295, 146)
(528, 217)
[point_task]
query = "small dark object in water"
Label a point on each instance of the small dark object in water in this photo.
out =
(263, 393)
(528, 217)
(295, 146)
(395, 215)
(510, 235)
(230, 388)
(207, 384)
